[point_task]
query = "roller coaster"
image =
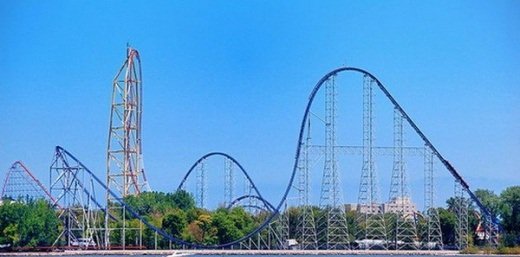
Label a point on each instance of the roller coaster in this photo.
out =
(320, 223)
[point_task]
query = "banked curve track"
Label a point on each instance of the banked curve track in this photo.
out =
(276, 209)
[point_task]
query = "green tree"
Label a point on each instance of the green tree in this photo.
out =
(489, 199)
(243, 220)
(175, 222)
(183, 200)
(510, 214)
(10, 214)
(151, 202)
(28, 224)
(133, 235)
(293, 214)
(352, 224)
(472, 214)
(150, 235)
(453, 201)
(447, 221)
(201, 230)
(226, 230)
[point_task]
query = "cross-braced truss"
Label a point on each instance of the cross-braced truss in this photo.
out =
(125, 176)
(80, 213)
(432, 238)
(332, 225)
(403, 219)
(21, 185)
(370, 210)
(125, 169)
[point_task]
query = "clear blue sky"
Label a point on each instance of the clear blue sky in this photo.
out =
(234, 76)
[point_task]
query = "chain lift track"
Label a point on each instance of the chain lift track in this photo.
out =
(20, 182)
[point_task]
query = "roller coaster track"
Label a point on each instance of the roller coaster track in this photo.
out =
(275, 210)
(201, 159)
(30, 179)
(61, 151)
(427, 142)
(120, 200)
(267, 204)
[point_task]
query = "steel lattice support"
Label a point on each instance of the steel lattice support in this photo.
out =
(274, 234)
(272, 237)
(80, 212)
(229, 182)
(269, 238)
(125, 169)
(491, 231)
(400, 202)
(249, 190)
(21, 185)
(306, 223)
(461, 211)
(432, 238)
(284, 221)
(332, 228)
(371, 213)
(201, 186)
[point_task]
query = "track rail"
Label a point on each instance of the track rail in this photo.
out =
(276, 209)
(201, 159)
(267, 204)
(33, 178)
(427, 142)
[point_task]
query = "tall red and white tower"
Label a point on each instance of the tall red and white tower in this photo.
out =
(125, 169)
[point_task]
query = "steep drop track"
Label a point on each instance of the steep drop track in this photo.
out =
(276, 209)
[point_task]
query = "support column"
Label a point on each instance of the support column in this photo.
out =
(201, 187)
(333, 232)
(306, 226)
(370, 210)
(400, 202)
(432, 238)
(461, 211)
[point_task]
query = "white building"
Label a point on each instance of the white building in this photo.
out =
(375, 208)
(401, 204)
(395, 205)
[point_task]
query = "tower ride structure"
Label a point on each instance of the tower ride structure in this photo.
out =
(125, 169)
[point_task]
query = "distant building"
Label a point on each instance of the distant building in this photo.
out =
(375, 208)
(481, 232)
(350, 207)
(395, 205)
(401, 204)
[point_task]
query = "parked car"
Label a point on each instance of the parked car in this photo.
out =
(84, 243)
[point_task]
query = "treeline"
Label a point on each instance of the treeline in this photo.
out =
(506, 207)
(28, 224)
(35, 223)
(176, 214)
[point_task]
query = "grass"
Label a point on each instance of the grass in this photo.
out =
(488, 250)
(470, 250)
(508, 250)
